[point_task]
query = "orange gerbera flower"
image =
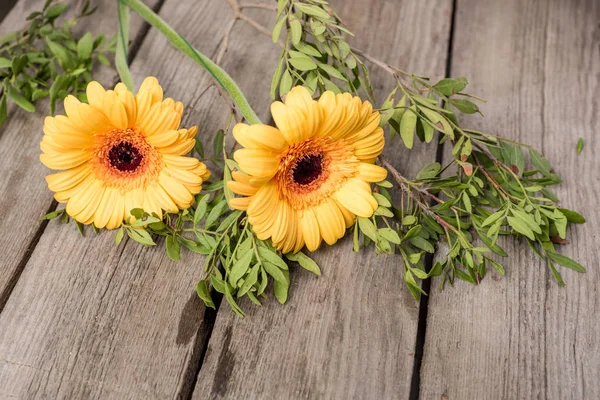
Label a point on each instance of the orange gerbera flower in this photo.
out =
(306, 180)
(121, 152)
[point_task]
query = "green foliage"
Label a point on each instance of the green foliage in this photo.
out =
(315, 53)
(46, 59)
(494, 190)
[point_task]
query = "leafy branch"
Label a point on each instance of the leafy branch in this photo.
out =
(46, 59)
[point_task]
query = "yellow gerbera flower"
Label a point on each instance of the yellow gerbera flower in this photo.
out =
(308, 179)
(121, 152)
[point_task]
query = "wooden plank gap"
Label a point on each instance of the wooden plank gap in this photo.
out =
(12, 282)
(205, 330)
(415, 383)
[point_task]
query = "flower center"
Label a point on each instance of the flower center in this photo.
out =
(125, 156)
(308, 169)
(124, 159)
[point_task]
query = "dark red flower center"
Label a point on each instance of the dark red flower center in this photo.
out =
(308, 169)
(125, 156)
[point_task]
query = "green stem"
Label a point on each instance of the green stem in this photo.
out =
(121, 51)
(180, 43)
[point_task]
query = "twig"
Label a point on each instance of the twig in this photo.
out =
(407, 189)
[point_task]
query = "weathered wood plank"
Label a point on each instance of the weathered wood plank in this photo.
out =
(91, 320)
(25, 196)
(350, 333)
(522, 336)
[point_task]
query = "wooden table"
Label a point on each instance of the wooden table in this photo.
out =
(82, 318)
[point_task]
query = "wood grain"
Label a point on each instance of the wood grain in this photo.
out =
(25, 195)
(88, 319)
(350, 333)
(522, 336)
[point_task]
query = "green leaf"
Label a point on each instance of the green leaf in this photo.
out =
(438, 121)
(464, 105)
(449, 86)
(331, 71)
(572, 216)
(281, 289)
(3, 113)
(409, 220)
(412, 232)
(202, 290)
(59, 52)
(579, 145)
(390, 235)
(272, 257)
(85, 46)
(367, 228)
(305, 262)
(540, 162)
(408, 124)
(215, 213)
(303, 64)
(566, 262)
(430, 171)
(277, 29)
(119, 236)
(493, 218)
(55, 11)
(249, 281)
(201, 207)
(240, 267)
(381, 200)
(308, 49)
(275, 272)
(422, 244)
(521, 227)
(295, 29)
(311, 10)
(141, 236)
(20, 100)
(286, 83)
(173, 248)
(5, 62)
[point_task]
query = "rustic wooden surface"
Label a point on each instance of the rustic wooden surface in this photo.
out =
(82, 318)
(350, 333)
(521, 336)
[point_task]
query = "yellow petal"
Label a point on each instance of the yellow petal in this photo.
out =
(128, 100)
(331, 221)
(310, 229)
(115, 110)
(95, 94)
(291, 122)
(259, 136)
(257, 162)
(65, 180)
(105, 207)
(134, 199)
(180, 195)
(184, 176)
(241, 188)
(356, 196)
(116, 219)
(65, 160)
(239, 203)
(84, 203)
(371, 173)
(157, 194)
(163, 139)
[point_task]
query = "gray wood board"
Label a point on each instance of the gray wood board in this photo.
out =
(88, 319)
(350, 333)
(25, 195)
(522, 336)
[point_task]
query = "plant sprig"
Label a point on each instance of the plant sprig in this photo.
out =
(46, 59)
